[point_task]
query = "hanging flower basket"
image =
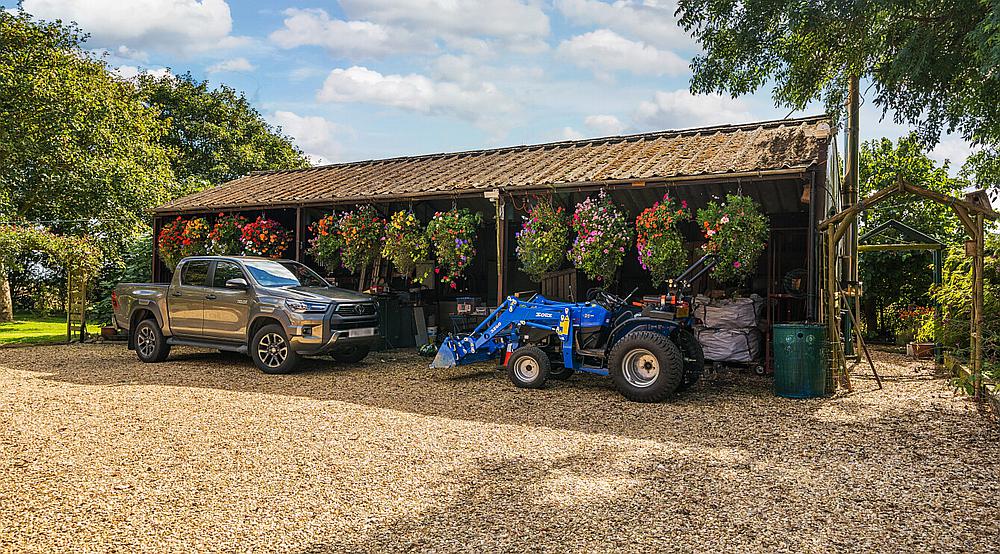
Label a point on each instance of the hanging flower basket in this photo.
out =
(265, 237)
(325, 245)
(225, 238)
(737, 231)
(453, 237)
(542, 240)
(602, 235)
(195, 241)
(170, 241)
(361, 234)
(659, 243)
(406, 243)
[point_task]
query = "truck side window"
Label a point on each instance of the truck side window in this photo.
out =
(195, 274)
(225, 271)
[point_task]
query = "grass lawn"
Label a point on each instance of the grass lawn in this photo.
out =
(32, 329)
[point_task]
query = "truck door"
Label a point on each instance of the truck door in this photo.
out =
(227, 310)
(186, 300)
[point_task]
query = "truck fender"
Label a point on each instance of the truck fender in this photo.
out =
(142, 306)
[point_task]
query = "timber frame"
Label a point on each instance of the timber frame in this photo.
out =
(972, 212)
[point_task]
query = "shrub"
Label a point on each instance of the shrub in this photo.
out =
(542, 240)
(602, 235)
(659, 243)
(453, 237)
(737, 231)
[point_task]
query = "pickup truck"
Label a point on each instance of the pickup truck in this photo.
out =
(274, 310)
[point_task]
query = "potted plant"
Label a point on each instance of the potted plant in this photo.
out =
(602, 235)
(325, 245)
(361, 235)
(452, 235)
(225, 238)
(169, 242)
(542, 240)
(658, 242)
(406, 243)
(265, 237)
(736, 230)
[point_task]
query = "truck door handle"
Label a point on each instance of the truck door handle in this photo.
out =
(209, 297)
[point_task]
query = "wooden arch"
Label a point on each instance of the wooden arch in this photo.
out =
(972, 212)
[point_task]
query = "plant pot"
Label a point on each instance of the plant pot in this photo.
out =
(920, 350)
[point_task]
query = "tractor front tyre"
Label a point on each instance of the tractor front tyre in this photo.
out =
(528, 367)
(694, 357)
(646, 366)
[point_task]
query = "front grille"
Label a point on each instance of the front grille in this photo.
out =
(350, 310)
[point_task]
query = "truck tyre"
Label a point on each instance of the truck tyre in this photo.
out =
(352, 355)
(271, 351)
(150, 344)
(528, 367)
(646, 366)
(694, 357)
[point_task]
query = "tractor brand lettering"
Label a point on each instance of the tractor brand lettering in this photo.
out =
(543, 314)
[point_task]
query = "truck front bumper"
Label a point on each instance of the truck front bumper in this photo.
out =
(318, 338)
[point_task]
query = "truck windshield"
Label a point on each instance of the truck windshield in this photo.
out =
(286, 274)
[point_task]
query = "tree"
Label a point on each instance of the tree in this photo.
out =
(931, 63)
(214, 135)
(900, 279)
(78, 150)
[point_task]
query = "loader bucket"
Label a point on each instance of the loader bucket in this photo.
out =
(445, 356)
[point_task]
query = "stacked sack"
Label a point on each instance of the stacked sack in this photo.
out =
(729, 330)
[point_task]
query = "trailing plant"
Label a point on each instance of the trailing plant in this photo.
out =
(659, 243)
(170, 241)
(324, 247)
(195, 239)
(225, 238)
(361, 235)
(542, 240)
(406, 243)
(453, 237)
(737, 231)
(265, 237)
(602, 234)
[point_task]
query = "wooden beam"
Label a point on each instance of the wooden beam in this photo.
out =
(951, 201)
(896, 247)
(970, 226)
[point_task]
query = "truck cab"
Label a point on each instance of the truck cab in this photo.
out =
(274, 310)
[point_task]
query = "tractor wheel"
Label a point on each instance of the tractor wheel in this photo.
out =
(694, 357)
(561, 373)
(646, 366)
(528, 367)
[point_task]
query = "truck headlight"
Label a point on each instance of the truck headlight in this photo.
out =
(302, 307)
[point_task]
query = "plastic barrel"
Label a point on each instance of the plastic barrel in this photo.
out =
(800, 366)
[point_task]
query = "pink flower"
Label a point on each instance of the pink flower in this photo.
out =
(725, 219)
(736, 264)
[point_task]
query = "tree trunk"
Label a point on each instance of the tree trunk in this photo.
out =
(6, 302)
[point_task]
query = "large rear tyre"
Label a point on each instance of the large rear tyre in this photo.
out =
(528, 367)
(646, 366)
(150, 344)
(271, 351)
(694, 357)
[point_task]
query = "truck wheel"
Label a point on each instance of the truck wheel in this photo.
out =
(528, 367)
(694, 357)
(646, 366)
(271, 351)
(150, 344)
(352, 355)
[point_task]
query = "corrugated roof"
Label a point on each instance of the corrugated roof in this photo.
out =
(786, 144)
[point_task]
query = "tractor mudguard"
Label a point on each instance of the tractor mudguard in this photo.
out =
(665, 327)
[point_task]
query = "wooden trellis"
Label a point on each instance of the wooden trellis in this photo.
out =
(76, 307)
(973, 212)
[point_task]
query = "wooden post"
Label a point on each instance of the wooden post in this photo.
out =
(501, 229)
(299, 234)
(977, 306)
(155, 270)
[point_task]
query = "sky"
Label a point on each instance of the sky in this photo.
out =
(363, 79)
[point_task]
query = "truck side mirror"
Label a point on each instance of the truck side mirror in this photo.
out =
(238, 283)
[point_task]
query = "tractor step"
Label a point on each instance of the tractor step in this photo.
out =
(593, 353)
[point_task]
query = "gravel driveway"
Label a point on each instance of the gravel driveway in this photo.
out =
(99, 452)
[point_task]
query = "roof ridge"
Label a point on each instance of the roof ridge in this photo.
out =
(563, 143)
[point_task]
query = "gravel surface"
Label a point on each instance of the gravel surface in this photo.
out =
(99, 453)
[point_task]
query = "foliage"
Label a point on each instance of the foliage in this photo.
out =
(214, 134)
(77, 254)
(406, 242)
(931, 64)
(453, 237)
(737, 232)
(170, 241)
(659, 243)
(542, 240)
(134, 266)
(325, 245)
(265, 237)
(195, 241)
(602, 235)
(361, 234)
(225, 237)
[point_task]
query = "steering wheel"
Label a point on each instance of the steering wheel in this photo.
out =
(605, 299)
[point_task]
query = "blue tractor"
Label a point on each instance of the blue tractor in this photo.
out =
(647, 347)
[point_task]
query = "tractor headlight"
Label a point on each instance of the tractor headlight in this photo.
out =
(302, 307)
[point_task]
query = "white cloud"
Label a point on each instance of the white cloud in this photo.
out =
(518, 24)
(605, 52)
(314, 27)
(604, 124)
(953, 149)
(315, 135)
(131, 71)
(234, 65)
(569, 133)
(653, 21)
(182, 26)
(680, 109)
(480, 102)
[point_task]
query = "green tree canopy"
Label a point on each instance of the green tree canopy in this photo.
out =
(214, 134)
(931, 63)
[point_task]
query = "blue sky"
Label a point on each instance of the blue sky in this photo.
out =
(359, 79)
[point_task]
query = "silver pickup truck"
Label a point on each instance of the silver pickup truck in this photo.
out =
(274, 310)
